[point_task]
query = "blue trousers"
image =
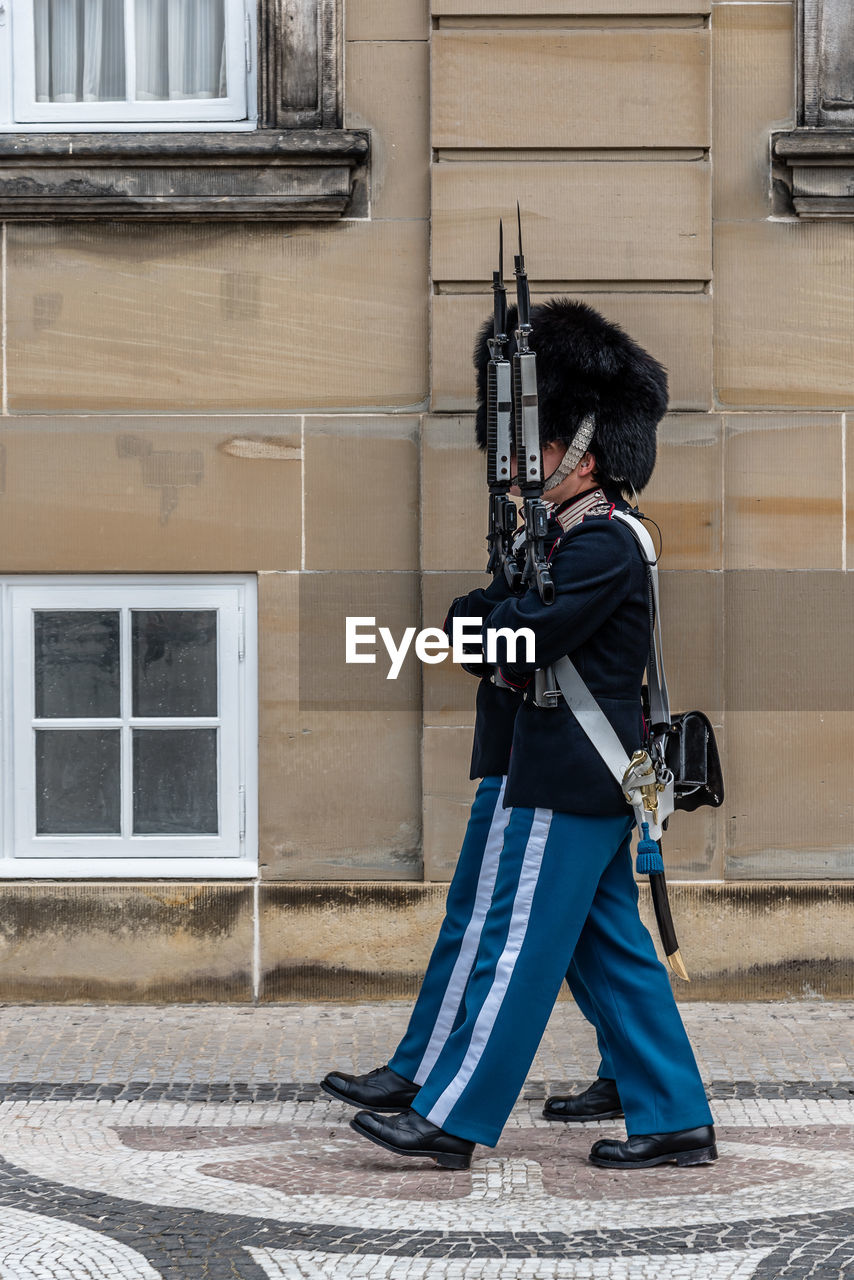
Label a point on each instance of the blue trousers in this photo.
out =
(538, 896)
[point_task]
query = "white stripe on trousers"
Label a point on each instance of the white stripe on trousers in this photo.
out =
(520, 916)
(471, 939)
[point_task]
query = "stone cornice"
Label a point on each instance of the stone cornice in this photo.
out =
(290, 174)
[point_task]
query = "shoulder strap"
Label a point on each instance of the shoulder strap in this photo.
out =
(591, 717)
(659, 698)
(602, 735)
(586, 709)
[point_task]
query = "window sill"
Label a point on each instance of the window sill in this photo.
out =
(175, 868)
(817, 167)
(269, 174)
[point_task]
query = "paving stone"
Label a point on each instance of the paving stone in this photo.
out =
(194, 1143)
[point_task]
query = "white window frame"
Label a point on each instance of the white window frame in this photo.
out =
(20, 112)
(233, 852)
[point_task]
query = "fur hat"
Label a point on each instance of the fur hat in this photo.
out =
(587, 365)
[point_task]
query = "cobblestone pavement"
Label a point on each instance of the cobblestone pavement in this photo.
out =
(193, 1142)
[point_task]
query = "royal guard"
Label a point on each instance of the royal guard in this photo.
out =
(544, 887)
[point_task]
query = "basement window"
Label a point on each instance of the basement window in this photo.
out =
(130, 740)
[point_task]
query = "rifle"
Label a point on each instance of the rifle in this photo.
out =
(529, 458)
(499, 435)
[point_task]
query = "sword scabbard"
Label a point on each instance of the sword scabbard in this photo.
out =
(664, 920)
(677, 965)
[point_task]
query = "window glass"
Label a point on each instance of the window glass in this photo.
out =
(79, 50)
(174, 781)
(76, 664)
(78, 788)
(148, 51)
(79, 657)
(180, 49)
(174, 662)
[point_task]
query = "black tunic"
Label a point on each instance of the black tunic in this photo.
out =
(496, 707)
(600, 619)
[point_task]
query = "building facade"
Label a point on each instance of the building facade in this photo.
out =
(237, 408)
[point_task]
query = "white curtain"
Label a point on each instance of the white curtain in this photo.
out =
(79, 51)
(180, 49)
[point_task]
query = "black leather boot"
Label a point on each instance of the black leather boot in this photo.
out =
(409, 1134)
(380, 1090)
(600, 1102)
(643, 1150)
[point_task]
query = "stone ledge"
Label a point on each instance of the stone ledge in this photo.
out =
(746, 941)
(817, 166)
(295, 174)
(128, 943)
(161, 942)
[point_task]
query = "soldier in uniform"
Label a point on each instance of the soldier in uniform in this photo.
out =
(544, 888)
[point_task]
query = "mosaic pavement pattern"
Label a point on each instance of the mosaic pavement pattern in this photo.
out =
(191, 1171)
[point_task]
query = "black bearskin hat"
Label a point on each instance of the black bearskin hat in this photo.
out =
(588, 365)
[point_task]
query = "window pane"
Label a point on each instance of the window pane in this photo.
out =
(80, 50)
(180, 49)
(174, 662)
(76, 663)
(175, 782)
(78, 781)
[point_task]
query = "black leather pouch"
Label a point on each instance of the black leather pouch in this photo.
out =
(691, 751)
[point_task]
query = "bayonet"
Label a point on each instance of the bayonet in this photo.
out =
(499, 434)
(529, 457)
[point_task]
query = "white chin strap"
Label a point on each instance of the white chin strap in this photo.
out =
(575, 452)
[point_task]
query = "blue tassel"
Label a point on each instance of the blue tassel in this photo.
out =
(649, 859)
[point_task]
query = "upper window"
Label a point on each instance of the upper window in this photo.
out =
(826, 63)
(132, 63)
(813, 171)
(244, 97)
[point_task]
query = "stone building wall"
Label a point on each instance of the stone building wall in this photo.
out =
(294, 400)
